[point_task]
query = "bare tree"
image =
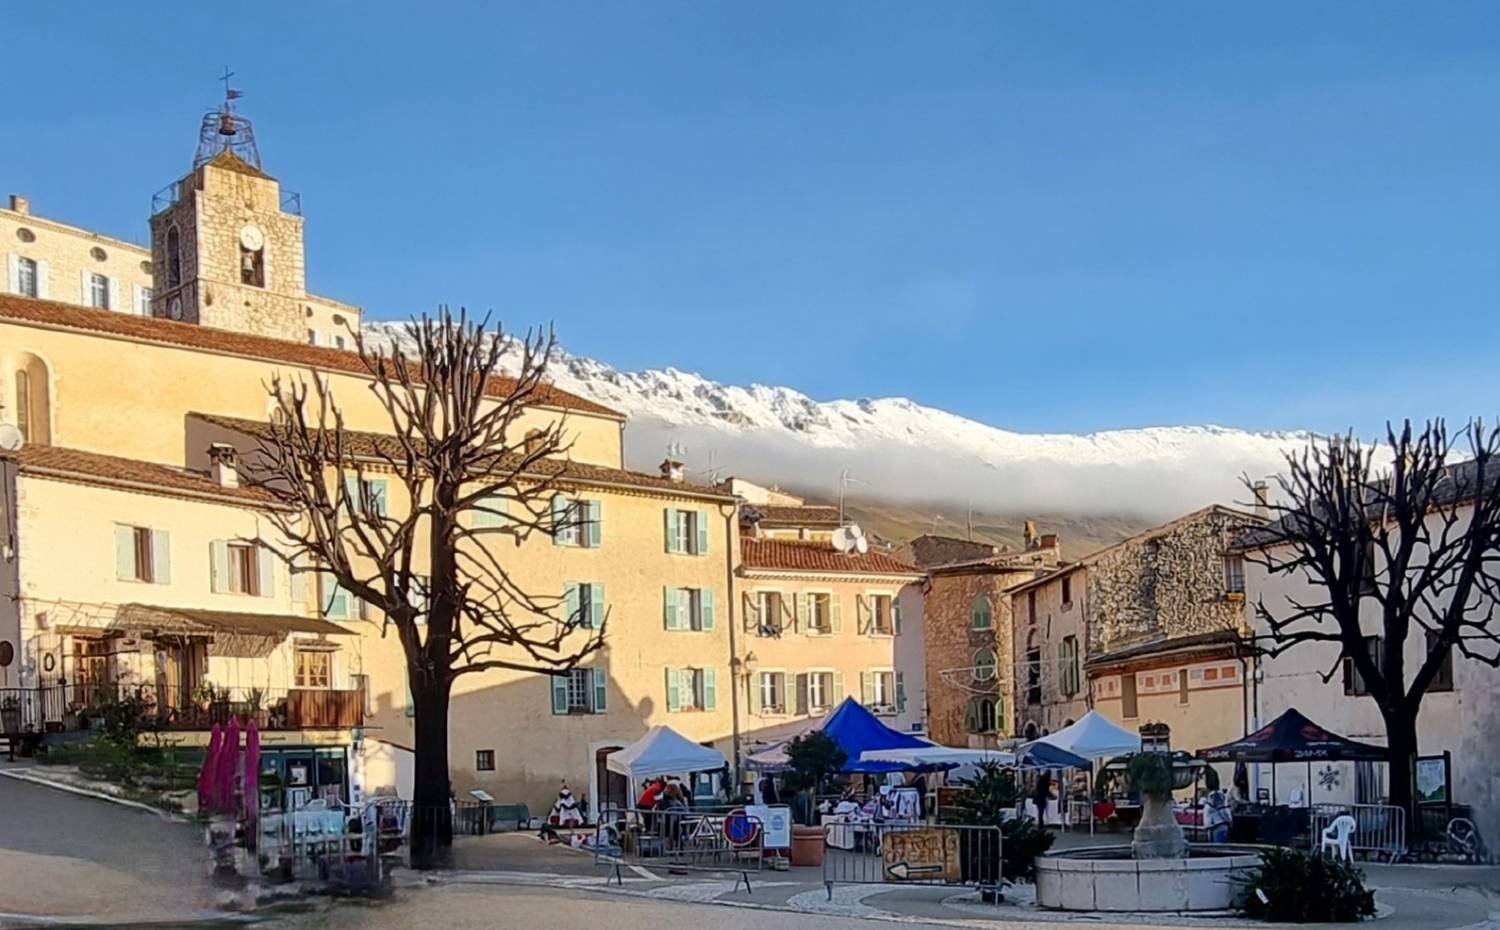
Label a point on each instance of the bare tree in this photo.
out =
(437, 581)
(1410, 546)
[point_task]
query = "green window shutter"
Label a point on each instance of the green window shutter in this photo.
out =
(219, 554)
(837, 600)
(862, 609)
(351, 488)
(601, 689)
(560, 694)
(265, 564)
(125, 553)
(674, 691)
(671, 529)
(702, 532)
(596, 523)
(710, 689)
(376, 491)
(559, 519)
(900, 692)
(799, 611)
(838, 690)
(336, 601)
(570, 608)
(867, 689)
(299, 581)
(411, 702)
(596, 608)
(494, 512)
(896, 614)
(161, 557)
(754, 703)
(802, 701)
(669, 608)
(706, 608)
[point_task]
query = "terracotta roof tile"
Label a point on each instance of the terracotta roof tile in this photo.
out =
(797, 516)
(802, 556)
(147, 477)
(375, 445)
(191, 336)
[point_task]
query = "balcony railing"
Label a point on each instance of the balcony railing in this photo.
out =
(54, 708)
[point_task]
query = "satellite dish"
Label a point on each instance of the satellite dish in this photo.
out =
(842, 541)
(11, 439)
(854, 531)
(861, 545)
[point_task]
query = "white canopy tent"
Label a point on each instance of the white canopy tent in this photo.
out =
(663, 751)
(1094, 736)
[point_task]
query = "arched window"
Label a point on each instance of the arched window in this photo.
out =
(174, 258)
(1031, 731)
(981, 616)
(982, 715)
(984, 664)
(23, 403)
(32, 402)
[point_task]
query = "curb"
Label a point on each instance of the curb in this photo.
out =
(90, 793)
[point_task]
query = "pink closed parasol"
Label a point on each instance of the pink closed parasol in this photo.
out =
(252, 772)
(210, 770)
(228, 768)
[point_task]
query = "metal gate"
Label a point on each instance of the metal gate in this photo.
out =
(731, 841)
(911, 854)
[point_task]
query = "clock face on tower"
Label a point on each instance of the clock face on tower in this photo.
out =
(252, 238)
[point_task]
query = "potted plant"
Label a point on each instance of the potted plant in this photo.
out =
(989, 798)
(810, 756)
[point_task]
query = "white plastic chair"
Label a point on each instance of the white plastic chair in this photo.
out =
(1336, 837)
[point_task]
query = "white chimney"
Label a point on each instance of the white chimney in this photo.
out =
(671, 469)
(224, 466)
(1262, 499)
(20, 204)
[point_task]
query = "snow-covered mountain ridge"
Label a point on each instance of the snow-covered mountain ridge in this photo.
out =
(901, 450)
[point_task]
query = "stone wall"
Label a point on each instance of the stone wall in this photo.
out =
(929, 551)
(1164, 584)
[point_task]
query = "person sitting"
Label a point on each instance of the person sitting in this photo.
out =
(671, 800)
(1218, 816)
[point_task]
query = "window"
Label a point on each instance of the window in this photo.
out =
(981, 616)
(174, 258)
(244, 569)
(23, 404)
(484, 760)
(819, 691)
(881, 614)
(143, 300)
(984, 664)
(580, 691)
(983, 714)
(1182, 686)
(142, 555)
(770, 608)
(98, 291)
(689, 609)
(691, 689)
(1354, 682)
(819, 613)
(314, 669)
(26, 277)
(337, 603)
(366, 495)
(1069, 673)
(576, 522)
(312, 337)
(1443, 680)
(1031, 606)
(773, 692)
(1367, 582)
(687, 532)
(879, 691)
(1067, 591)
(583, 605)
(1034, 676)
(1128, 705)
(1234, 574)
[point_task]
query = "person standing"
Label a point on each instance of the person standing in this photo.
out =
(1043, 795)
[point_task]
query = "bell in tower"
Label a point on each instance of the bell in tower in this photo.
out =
(224, 130)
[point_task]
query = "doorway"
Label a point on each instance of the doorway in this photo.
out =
(613, 788)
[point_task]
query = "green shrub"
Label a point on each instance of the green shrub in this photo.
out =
(991, 794)
(1298, 887)
(1150, 775)
(1024, 840)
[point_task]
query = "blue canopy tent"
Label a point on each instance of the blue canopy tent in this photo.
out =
(856, 731)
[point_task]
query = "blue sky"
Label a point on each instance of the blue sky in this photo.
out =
(1047, 216)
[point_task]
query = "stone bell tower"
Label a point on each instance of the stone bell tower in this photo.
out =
(227, 241)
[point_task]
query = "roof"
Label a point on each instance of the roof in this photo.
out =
(131, 474)
(1214, 639)
(55, 315)
(815, 515)
(229, 161)
(193, 620)
(1294, 738)
(790, 555)
(1020, 560)
(367, 445)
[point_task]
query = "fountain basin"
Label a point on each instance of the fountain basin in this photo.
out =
(1107, 878)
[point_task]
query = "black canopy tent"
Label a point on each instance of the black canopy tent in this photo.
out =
(1294, 738)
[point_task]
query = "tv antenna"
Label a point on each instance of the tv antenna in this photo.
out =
(846, 479)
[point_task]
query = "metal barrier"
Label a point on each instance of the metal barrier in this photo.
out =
(680, 840)
(1379, 829)
(912, 854)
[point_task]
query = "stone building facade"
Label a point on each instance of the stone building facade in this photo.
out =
(968, 643)
(49, 260)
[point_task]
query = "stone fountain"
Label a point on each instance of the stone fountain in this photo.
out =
(1159, 870)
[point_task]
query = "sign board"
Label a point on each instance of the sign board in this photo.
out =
(704, 830)
(776, 823)
(740, 829)
(479, 794)
(926, 855)
(1432, 779)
